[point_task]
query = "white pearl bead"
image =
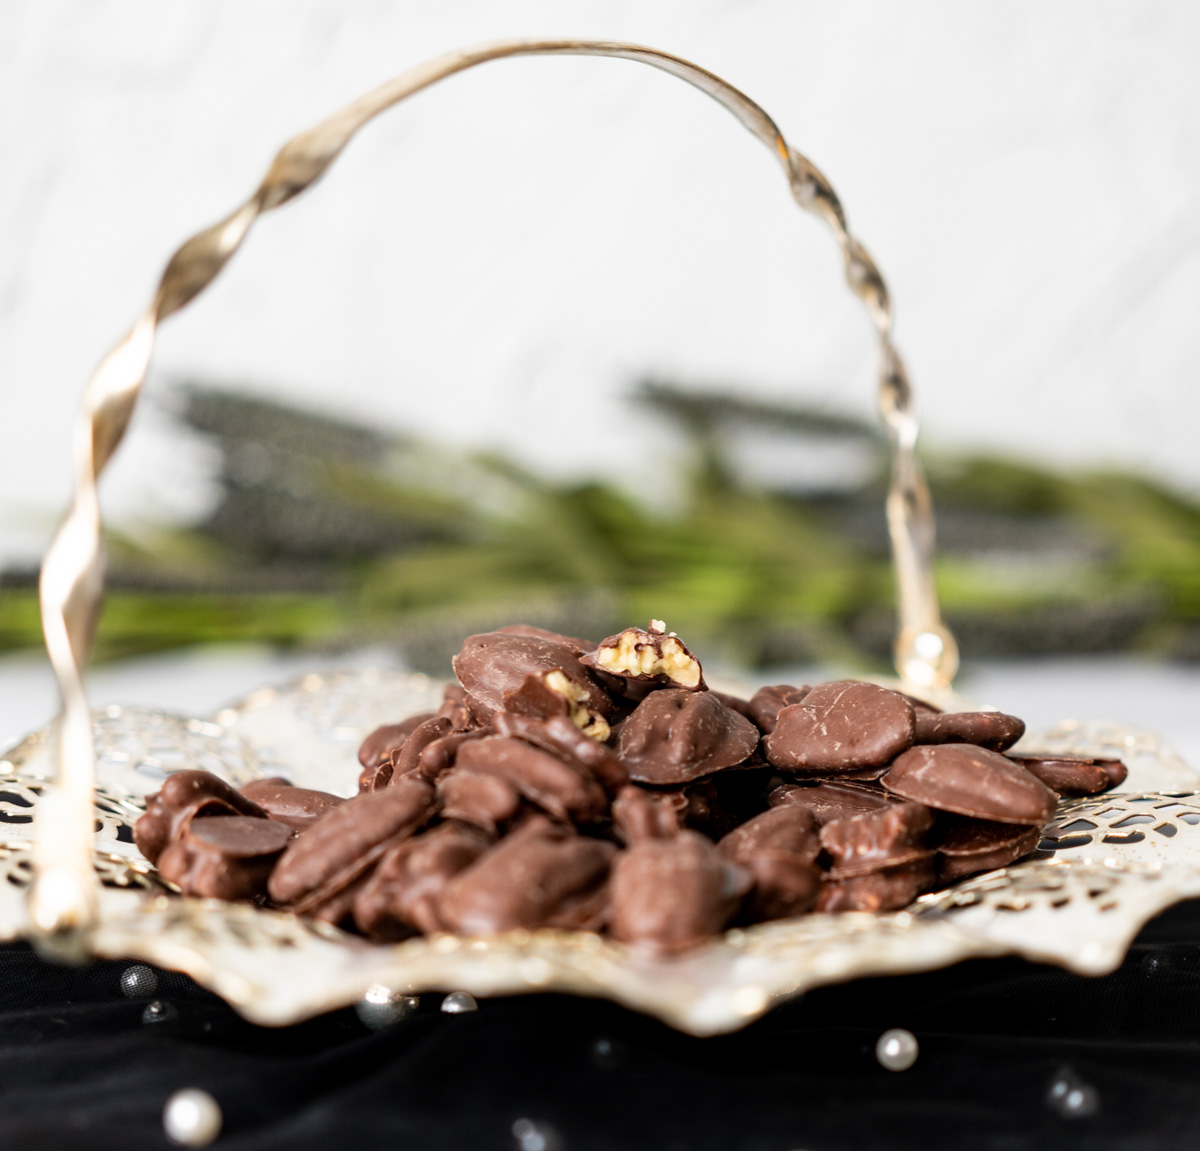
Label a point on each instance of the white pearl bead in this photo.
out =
(459, 1002)
(897, 1049)
(192, 1118)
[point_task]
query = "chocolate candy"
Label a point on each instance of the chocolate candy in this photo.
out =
(532, 878)
(648, 656)
(1071, 775)
(402, 894)
(991, 729)
(640, 814)
(338, 848)
(534, 676)
(969, 780)
(766, 703)
(504, 810)
(184, 796)
(830, 799)
(556, 787)
(224, 857)
(560, 737)
(886, 837)
(455, 708)
(675, 735)
(485, 801)
(840, 727)
(790, 830)
(577, 645)
(298, 807)
(886, 890)
(670, 894)
(778, 848)
(966, 846)
(380, 744)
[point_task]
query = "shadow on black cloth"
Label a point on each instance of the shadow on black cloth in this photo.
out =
(79, 1069)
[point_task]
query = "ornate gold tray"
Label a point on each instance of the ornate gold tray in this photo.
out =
(69, 794)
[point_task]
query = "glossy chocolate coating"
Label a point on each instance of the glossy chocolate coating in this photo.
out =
(526, 880)
(969, 780)
(507, 672)
(670, 894)
(640, 814)
(298, 807)
(577, 645)
(830, 799)
(390, 737)
(789, 830)
(184, 796)
(561, 738)
(1070, 775)
(485, 801)
(342, 844)
(877, 839)
(966, 846)
(766, 703)
(991, 729)
(887, 890)
(841, 726)
(675, 736)
(402, 893)
(406, 760)
(556, 787)
(224, 857)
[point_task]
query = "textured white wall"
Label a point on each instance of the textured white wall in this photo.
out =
(498, 259)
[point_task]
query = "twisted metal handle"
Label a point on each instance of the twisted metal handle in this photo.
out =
(63, 898)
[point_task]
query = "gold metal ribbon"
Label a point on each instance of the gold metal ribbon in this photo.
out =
(62, 901)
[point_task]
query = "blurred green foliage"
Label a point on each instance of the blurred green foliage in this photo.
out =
(351, 539)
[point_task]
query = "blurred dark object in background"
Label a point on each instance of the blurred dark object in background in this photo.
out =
(331, 534)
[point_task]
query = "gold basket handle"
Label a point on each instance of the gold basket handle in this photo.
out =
(62, 900)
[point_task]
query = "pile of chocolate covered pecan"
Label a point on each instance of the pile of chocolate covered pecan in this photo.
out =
(604, 787)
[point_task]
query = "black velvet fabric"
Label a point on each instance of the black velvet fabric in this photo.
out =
(79, 1068)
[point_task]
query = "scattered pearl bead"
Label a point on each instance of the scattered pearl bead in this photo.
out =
(159, 1011)
(138, 981)
(1071, 1097)
(897, 1049)
(381, 1007)
(192, 1118)
(531, 1136)
(458, 1003)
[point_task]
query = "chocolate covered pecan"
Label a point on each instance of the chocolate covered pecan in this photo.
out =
(380, 744)
(1071, 775)
(877, 839)
(969, 780)
(561, 738)
(298, 807)
(402, 894)
(966, 846)
(482, 800)
(675, 735)
(184, 796)
(670, 894)
(536, 875)
(557, 787)
(226, 857)
(886, 890)
(641, 814)
(766, 704)
(839, 727)
(830, 799)
(649, 656)
(343, 844)
(991, 729)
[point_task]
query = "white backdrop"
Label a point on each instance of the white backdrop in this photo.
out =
(498, 260)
